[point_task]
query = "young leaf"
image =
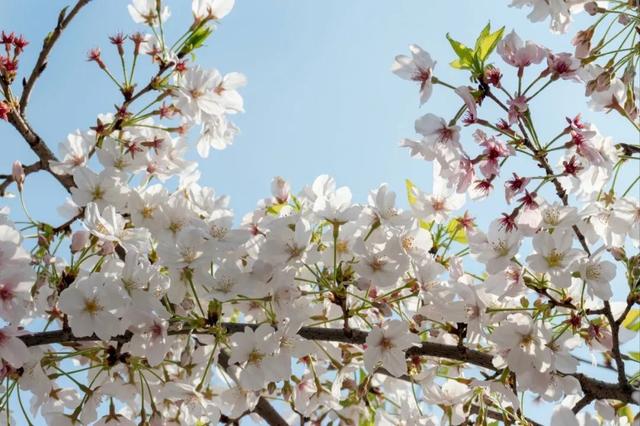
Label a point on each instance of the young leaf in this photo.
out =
(457, 231)
(411, 191)
(632, 321)
(487, 42)
(465, 54)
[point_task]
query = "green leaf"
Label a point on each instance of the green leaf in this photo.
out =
(457, 231)
(632, 321)
(411, 196)
(487, 42)
(411, 191)
(465, 54)
(635, 356)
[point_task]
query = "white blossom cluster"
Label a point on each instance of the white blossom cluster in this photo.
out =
(167, 310)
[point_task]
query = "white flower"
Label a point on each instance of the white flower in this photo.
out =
(228, 282)
(418, 67)
(335, 206)
(626, 218)
(598, 276)
(112, 228)
(74, 152)
(523, 344)
(284, 245)
(387, 345)
(451, 394)
(559, 12)
(217, 133)
(438, 205)
(554, 255)
(416, 241)
(103, 189)
(211, 9)
(145, 12)
(557, 216)
(195, 408)
(196, 97)
(497, 248)
(439, 139)
(377, 265)
(12, 349)
(91, 304)
(383, 203)
(254, 349)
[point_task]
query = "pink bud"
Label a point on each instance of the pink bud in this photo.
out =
(591, 8)
(107, 248)
(79, 240)
(18, 174)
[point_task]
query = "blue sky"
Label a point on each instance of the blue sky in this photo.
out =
(320, 95)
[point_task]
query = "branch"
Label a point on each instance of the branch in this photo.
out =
(49, 41)
(593, 387)
(39, 147)
(541, 157)
(586, 400)
(8, 179)
(615, 344)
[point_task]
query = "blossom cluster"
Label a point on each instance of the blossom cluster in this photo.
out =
(166, 309)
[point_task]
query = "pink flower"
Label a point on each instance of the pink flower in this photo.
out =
(493, 151)
(514, 52)
(465, 93)
(517, 107)
(514, 186)
(418, 67)
(562, 65)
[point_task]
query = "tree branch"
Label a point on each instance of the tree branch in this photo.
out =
(49, 41)
(597, 389)
(8, 179)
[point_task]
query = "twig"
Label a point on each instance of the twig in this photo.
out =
(49, 41)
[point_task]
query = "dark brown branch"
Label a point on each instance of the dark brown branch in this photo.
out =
(49, 41)
(584, 401)
(39, 147)
(615, 344)
(592, 387)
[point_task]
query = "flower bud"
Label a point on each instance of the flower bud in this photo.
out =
(79, 240)
(4, 110)
(591, 8)
(107, 248)
(18, 174)
(280, 189)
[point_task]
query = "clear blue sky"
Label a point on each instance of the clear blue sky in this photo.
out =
(320, 97)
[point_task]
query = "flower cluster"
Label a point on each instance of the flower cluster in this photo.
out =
(154, 305)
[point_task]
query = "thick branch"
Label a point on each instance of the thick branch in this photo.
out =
(49, 41)
(39, 147)
(591, 387)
